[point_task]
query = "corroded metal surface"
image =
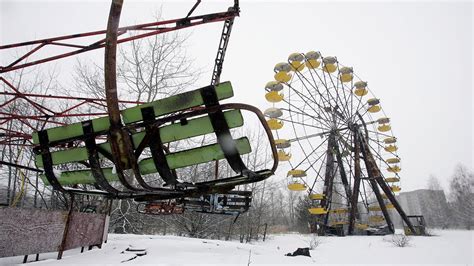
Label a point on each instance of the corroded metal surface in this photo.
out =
(85, 229)
(29, 231)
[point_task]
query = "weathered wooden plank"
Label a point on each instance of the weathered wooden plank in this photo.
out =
(131, 115)
(175, 160)
(174, 132)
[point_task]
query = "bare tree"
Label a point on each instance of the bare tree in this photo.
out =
(433, 183)
(148, 69)
(462, 196)
(22, 186)
(437, 210)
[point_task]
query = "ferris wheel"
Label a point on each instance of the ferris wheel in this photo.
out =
(337, 141)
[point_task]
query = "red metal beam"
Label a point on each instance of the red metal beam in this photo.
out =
(153, 28)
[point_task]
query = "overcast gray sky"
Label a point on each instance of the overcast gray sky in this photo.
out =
(416, 56)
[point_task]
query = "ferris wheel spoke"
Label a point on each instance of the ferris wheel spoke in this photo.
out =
(299, 123)
(306, 158)
(302, 78)
(336, 89)
(316, 88)
(318, 173)
(303, 150)
(328, 92)
(326, 109)
(305, 114)
(305, 99)
(379, 133)
(336, 100)
(294, 106)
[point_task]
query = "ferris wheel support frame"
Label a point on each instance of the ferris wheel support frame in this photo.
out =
(357, 178)
(342, 171)
(375, 177)
(328, 183)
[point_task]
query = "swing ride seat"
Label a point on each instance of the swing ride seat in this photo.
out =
(152, 125)
(230, 203)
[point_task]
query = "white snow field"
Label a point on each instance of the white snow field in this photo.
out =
(447, 248)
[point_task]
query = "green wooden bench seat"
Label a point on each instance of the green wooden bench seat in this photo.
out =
(161, 107)
(174, 132)
(133, 117)
(175, 160)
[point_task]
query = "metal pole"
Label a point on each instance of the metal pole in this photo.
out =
(66, 228)
(378, 178)
(328, 178)
(265, 232)
(355, 195)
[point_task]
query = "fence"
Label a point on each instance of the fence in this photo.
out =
(33, 231)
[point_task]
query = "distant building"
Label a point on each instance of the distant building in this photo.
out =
(431, 204)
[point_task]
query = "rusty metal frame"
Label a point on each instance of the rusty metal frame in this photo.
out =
(47, 115)
(376, 180)
(151, 193)
(143, 30)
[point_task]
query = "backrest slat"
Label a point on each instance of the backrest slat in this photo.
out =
(161, 107)
(169, 133)
(176, 160)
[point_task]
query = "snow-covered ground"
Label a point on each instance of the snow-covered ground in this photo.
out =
(447, 248)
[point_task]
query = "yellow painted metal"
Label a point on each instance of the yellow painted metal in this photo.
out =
(282, 76)
(384, 128)
(392, 179)
(283, 156)
(316, 196)
(390, 140)
(317, 210)
(362, 226)
(395, 188)
(296, 187)
(376, 219)
(374, 109)
(296, 173)
(330, 68)
(361, 91)
(274, 124)
(274, 86)
(390, 206)
(375, 208)
(346, 77)
(338, 223)
(394, 169)
(384, 196)
(282, 143)
(297, 66)
(274, 96)
(393, 160)
(339, 211)
(312, 63)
